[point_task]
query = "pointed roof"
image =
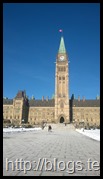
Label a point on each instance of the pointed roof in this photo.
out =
(62, 46)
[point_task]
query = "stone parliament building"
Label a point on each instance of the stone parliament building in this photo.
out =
(59, 109)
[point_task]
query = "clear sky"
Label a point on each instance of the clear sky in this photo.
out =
(31, 41)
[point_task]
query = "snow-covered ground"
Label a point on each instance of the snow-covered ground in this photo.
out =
(94, 134)
(10, 129)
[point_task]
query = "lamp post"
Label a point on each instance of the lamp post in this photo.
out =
(75, 123)
(83, 123)
(22, 123)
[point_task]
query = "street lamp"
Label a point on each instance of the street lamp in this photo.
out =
(22, 120)
(83, 123)
(22, 123)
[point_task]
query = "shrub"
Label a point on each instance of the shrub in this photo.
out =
(98, 127)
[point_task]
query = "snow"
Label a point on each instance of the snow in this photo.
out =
(10, 129)
(94, 134)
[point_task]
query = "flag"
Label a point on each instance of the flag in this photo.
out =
(60, 30)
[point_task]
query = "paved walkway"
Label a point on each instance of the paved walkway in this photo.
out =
(62, 152)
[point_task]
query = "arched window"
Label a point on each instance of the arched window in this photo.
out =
(61, 105)
(59, 95)
(63, 78)
(63, 95)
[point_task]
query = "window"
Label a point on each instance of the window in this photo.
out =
(61, 69)
(63, 78)
(61, 105)
(59, 78)
(64, 69)
(63, 95)
(87, 119)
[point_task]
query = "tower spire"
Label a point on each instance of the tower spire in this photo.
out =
(62, 46)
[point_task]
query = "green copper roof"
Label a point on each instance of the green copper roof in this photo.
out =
(62, 46)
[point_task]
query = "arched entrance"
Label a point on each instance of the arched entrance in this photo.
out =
(61, 119)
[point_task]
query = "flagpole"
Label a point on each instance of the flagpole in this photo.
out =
(61, 31)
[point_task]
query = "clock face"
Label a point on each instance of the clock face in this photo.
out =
(61, 58)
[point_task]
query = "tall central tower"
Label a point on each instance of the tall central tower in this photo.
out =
(61, 85)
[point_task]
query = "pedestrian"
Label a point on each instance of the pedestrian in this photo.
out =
(49, 128)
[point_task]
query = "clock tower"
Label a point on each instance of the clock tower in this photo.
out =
(61, 85)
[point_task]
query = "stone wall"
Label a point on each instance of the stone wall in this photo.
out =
(88, 115)
(39, 114)
(36, 115)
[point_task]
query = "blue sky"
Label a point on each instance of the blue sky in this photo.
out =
(31, 41)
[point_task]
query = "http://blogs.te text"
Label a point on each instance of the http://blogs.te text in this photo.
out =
(43, 164)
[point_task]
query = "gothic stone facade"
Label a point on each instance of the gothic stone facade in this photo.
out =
(38, 111)
(60, 109)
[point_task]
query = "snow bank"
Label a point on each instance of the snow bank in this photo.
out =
(94, 134)
(7, 130)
